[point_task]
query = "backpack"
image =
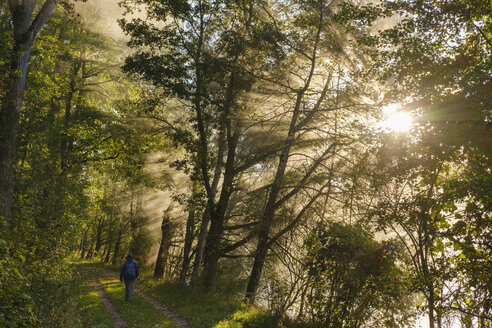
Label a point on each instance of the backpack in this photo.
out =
(130, 273)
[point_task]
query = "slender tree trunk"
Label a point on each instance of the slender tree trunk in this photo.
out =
(162, 255)
(83, 245)
(303, 299)
(108, 252)
(90, 251)
(269, 212)
(190, 227)
(266, 221)
(117, 245)
(109, 243)
(65, 139)
(431, 307)
(99, 234)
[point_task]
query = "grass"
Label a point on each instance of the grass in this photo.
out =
(92, 311)
(200, 309)
(138, 313)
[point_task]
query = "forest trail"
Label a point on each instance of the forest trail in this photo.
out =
(118, 320)
(176, 318)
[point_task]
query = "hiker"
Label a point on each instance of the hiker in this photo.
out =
(129, 272)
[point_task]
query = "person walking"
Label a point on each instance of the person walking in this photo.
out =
(129, 273)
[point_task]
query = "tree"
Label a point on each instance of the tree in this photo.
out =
(189, 63)
(354, 281)
(326, 100)
(26, 28)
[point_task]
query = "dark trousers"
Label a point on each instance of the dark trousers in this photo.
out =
(129, 286)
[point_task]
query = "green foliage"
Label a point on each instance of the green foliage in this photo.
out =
(250, 317)
(34, 292)
(211, 70)
(354, 280)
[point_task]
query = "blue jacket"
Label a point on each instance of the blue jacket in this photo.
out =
(123, 270)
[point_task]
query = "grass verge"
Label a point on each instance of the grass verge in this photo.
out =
(200, 309)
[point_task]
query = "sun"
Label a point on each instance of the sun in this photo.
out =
(396, 120)
(399, 122)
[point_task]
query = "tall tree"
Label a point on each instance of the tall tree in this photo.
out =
(316, 98)
(194, 57)
(25, 31)
(26, 27)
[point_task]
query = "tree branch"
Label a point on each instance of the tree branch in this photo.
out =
(42, 17)
(238, 244)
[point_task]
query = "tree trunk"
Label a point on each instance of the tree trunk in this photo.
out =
(117, 246)
(269, 212)
(162, 255)
(200, 247)
(90, 251)
(303, 299)
(24, 35)
(431, 308)
(190, 227)
(204, 226)
(65, 140)
(9, 117)
(213, 251)
(99, 234)
(108, 253)
(109, 243)
(266, 221)
(83, 246)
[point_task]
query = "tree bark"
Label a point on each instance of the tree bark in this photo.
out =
(213, 251)
(162, 255)
(99, 230)
(266, 221)
(190, 227)
(24, 35)
(204, 225)
(117, 245)
(83, 244)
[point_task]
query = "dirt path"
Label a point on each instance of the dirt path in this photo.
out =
(119, 322)
(176, 318)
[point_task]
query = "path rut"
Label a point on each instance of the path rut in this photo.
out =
(118, 320)
(176, 318)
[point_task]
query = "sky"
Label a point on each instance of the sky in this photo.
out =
(102, 16)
